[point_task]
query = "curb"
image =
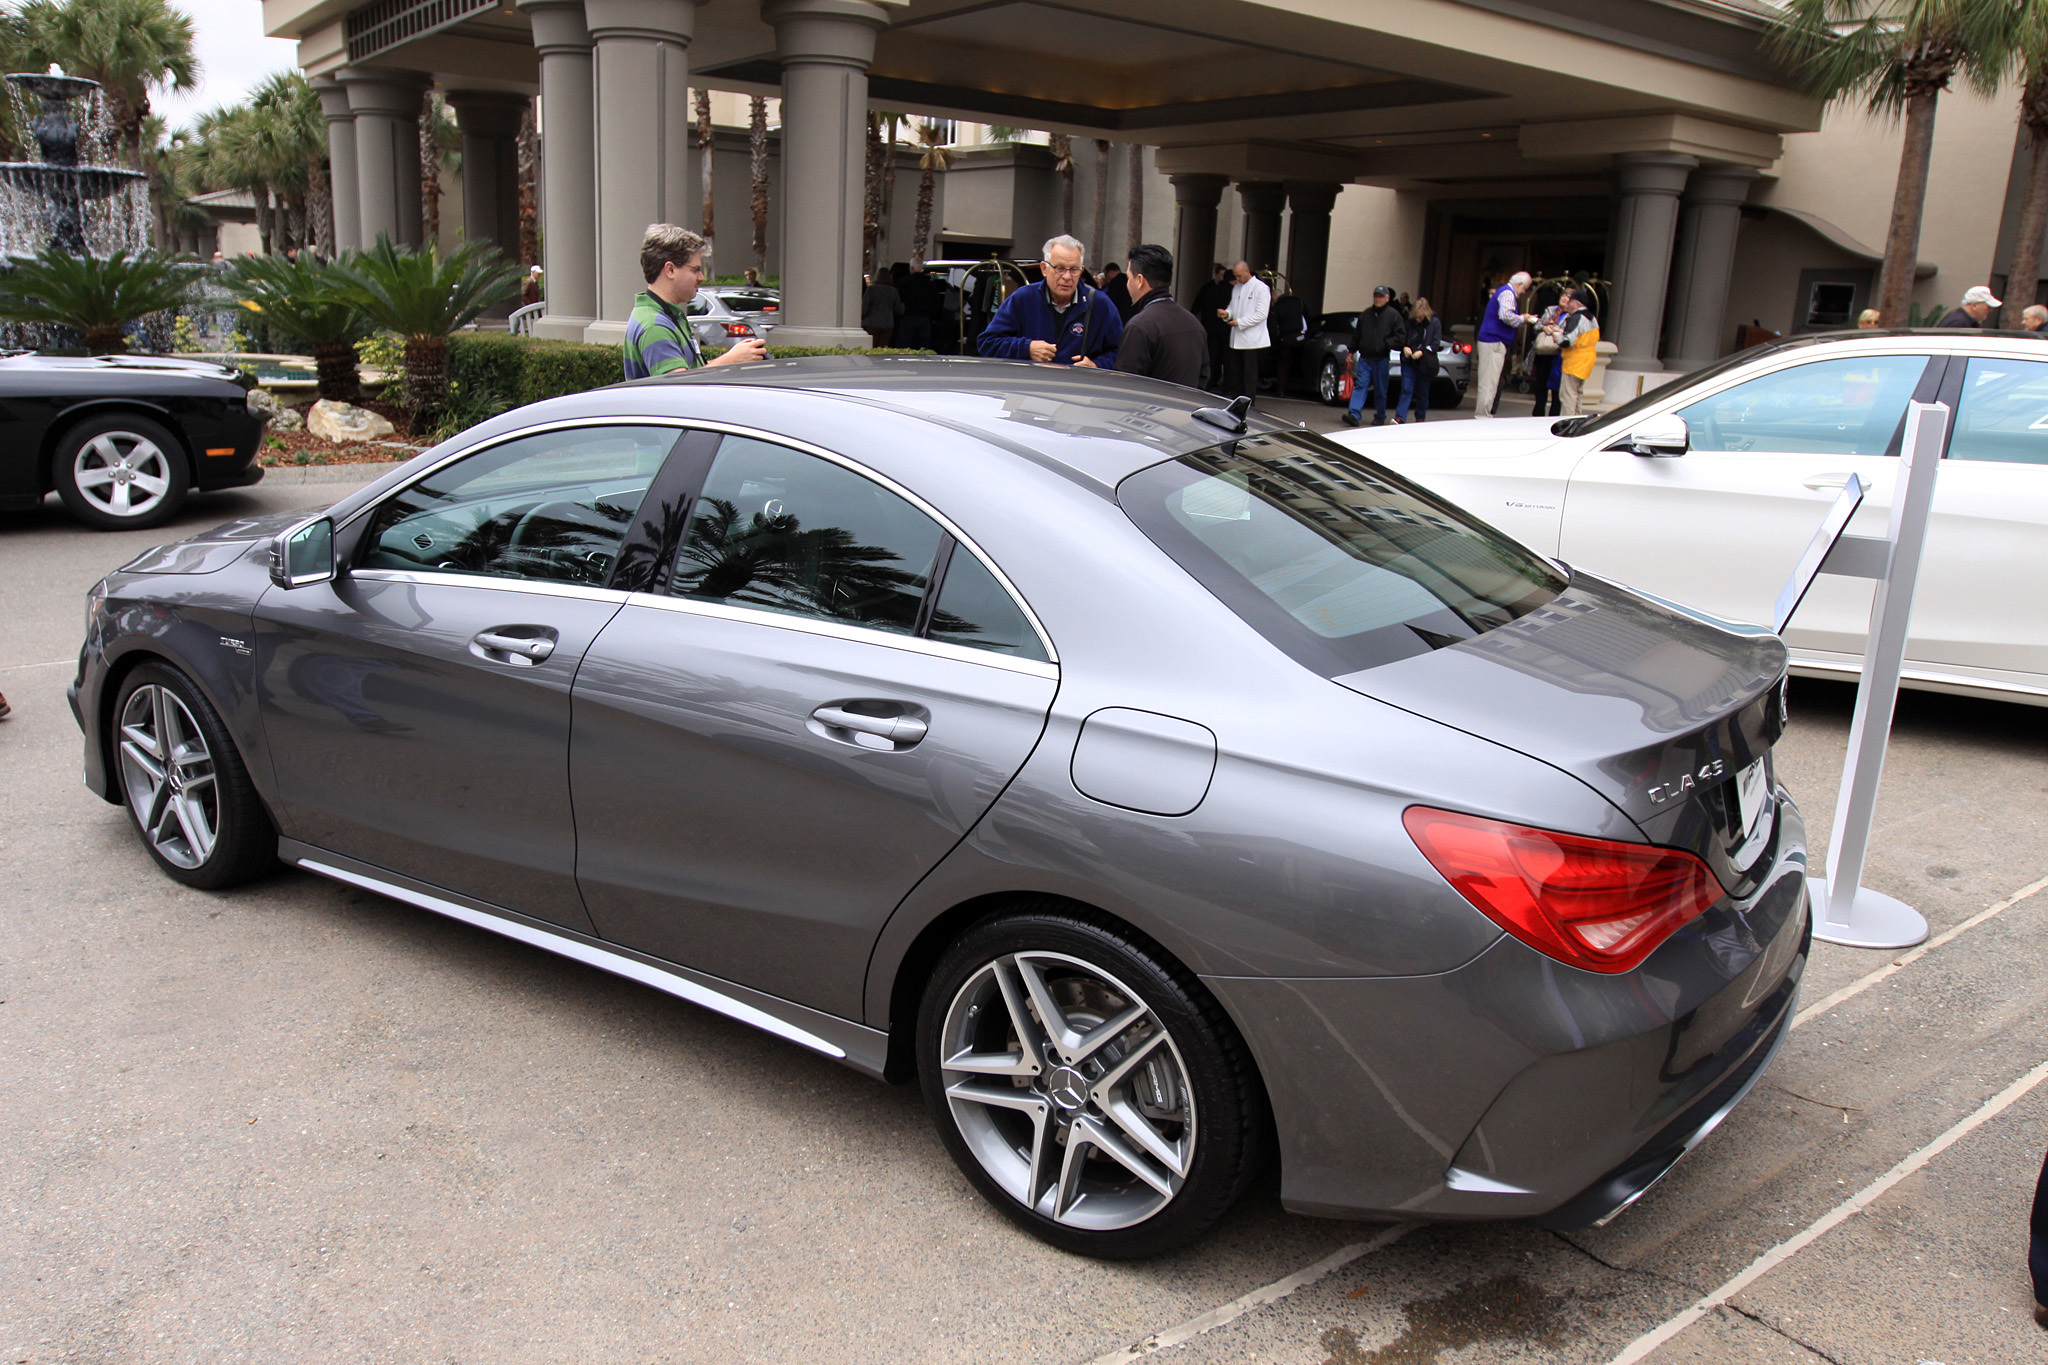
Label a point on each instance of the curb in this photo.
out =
(293, 474)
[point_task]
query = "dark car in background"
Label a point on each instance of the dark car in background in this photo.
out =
(122, 439)
(1326, 358)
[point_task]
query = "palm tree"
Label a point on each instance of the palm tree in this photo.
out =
(707, 159)
(2030, 65)
(1896, 56)
(1098, 237)
(1063, 162)
(423, 297)
(1136, 230)
(97, 297)
(129, 46)
(757, 164)
(529, 188)
(933, 159)
(172, 162)
(871, 212)
(440, 150)
(312, 302)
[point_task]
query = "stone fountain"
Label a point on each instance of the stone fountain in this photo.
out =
(47, 201)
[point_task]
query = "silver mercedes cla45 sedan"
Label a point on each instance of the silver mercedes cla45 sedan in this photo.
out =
(1152, 784)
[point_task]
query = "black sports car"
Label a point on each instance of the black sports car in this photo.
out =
(122, 438)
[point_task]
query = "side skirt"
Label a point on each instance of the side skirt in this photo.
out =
(864, 1049)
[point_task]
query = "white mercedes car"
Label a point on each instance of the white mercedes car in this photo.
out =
(1706, 490)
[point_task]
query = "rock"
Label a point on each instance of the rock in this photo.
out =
(345, 422)
(264, 401)
(287, 419)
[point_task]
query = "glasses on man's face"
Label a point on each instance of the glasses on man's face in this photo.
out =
(1063, 270)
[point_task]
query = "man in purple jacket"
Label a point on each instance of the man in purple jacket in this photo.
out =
(1498, 322)
(1059, 320)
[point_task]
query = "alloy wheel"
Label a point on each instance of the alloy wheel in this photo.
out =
(168, 773)
(1327, 382)
(122, 473)
(1068, 1090)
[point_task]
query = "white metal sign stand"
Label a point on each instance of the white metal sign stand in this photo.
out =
(1852, 913)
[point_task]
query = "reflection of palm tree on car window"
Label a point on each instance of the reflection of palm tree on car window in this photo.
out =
(772, 561)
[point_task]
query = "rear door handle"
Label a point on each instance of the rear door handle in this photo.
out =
(500, 645)
(890, 733)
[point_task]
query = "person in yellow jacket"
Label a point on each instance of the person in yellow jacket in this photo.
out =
(1577, 331)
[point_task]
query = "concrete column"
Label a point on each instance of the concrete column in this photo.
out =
(1308, 239)
(341, 158)
(489, 120)
(1195, 197)
(1649, 184)
(386, 106)
(824, 47)
(568, 168)
(641, 75)
(1262, 200)
(1710, 220)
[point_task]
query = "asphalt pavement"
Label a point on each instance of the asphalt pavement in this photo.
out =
(301, 1123)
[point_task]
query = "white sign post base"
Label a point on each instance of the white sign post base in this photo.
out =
(1851, 913)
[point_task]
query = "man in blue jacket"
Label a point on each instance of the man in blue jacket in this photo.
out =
(1059, 320)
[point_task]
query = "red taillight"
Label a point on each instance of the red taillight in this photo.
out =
(1464, 348)
(1586, 902)
(738, 329)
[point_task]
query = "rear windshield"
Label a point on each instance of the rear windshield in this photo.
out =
(1335, 560)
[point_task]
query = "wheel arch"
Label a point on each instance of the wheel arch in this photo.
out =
(913, 969)
(61, 425)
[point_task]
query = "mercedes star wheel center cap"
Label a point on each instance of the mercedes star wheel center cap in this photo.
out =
(1067, 1088)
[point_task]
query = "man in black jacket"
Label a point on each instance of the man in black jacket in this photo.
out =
(1208, 299)
(1162, 339)
(1379, 331)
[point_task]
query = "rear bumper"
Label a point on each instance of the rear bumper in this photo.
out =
(1516, 1087)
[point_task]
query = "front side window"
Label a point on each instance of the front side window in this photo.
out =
(1337, 561)
(553, 506)
(2003, 413)
(1850, 406)
(784, 531)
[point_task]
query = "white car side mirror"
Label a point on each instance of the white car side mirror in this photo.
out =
(1661, 437)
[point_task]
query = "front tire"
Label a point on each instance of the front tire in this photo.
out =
(185, 785)
(1087, 1085)
(121, 472)
(1329, 383)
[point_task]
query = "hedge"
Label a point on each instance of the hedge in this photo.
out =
(489, 372)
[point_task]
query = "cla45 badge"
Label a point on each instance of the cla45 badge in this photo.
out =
(1685, 782)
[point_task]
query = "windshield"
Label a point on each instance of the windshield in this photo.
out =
(1335, 560)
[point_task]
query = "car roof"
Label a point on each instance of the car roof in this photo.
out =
(1097, 426)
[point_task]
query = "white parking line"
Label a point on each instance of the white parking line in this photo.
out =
(50, 663)
(1238, 1307)
(1784, 1251)
(1864, 983)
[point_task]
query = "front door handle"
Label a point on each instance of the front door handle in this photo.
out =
(501, 645)
(887, 733)
(1825, 482)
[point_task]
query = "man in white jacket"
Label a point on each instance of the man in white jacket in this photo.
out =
(1250, 302)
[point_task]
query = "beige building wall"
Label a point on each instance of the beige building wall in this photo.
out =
(1375, 239)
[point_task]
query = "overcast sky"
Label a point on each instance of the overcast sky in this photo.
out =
(234, 57)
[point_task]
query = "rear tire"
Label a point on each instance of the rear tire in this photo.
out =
(121, 472)
(1328, 383)
(1087, 1085)
(185, 785)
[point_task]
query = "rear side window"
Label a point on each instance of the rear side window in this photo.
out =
(1338, 562)
(974, 609)
(2003, 414)
(785, 531)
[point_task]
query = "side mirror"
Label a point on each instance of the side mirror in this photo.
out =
(304, 554)
(1660, 437)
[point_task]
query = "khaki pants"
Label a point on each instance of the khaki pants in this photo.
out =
(1493, 357)
(1568, 390)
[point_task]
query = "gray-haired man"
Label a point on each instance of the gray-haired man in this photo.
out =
(1059, 320)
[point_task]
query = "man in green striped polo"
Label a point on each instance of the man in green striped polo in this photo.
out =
(658, 336)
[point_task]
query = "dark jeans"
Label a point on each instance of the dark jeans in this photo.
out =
(1373, 372)
(1544, 374)
(1241, 371)
(1219, 358)
(1415, 382)
(880, 336)
(913, 330)
(2037, 1251)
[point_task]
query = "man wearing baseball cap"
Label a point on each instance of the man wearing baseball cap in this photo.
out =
(1976, 306)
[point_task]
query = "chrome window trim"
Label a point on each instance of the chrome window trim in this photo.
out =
(539, 586)
(845, 630)
(754, 433)
(632, 968)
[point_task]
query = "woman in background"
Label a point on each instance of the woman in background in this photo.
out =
(1419, 339)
